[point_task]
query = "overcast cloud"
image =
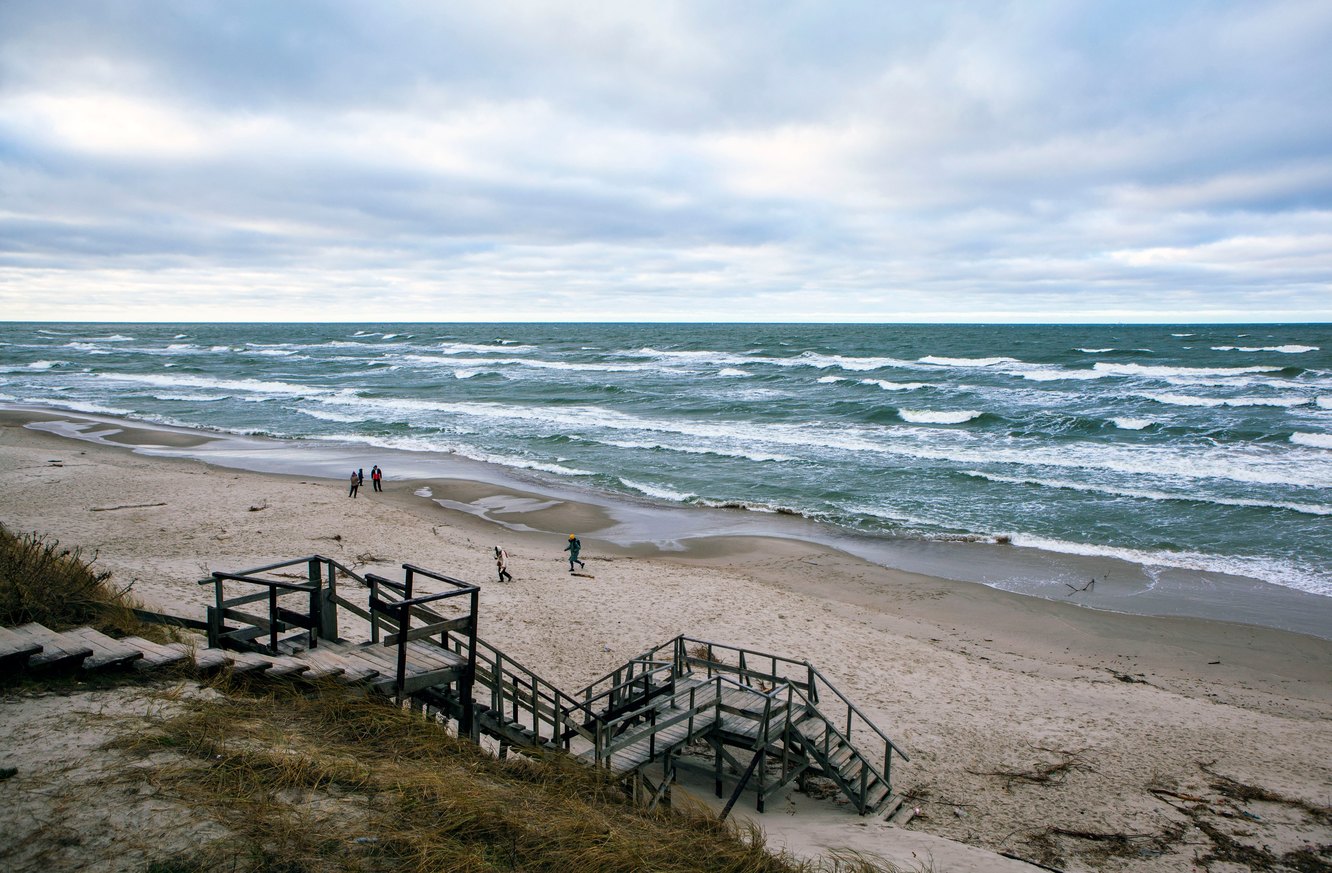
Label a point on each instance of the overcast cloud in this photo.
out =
(828, 161)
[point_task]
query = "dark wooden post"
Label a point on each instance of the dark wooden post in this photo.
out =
(272, 618)
(404, 624)
(469, 679)
(316, 601)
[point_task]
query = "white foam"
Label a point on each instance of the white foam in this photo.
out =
(1143, 370)
(660, 492)
(1095, 351)
(828, 380)
(1324, 401)
(1142, 494)
(46, 365)
(1191, 400)
(1132, 423)
(926, 416)
(967, 362)
(1317, 440)
(1287, 350)
(1183, 334)
(244, 385)
(424, 491)
(892, 386)
(193, 398)
(325, 415)
(734, 372)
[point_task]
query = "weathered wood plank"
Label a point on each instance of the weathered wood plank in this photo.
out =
(107, 653)
(156, 654)
(57, 652)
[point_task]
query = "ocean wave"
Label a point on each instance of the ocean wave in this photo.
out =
(1160, 372)
(44, 365)
(1096, 351)
(1323, 402)
(1059, 375)
(1288, 350)
(732, 372)
(192, 398)
(244, 385)
(1316, 440)
(1143, 494)
(660, 492)
(1211, 402)
(829, 380)
(717, 450)
(892, 386)
(926, 416)
(80, 406)
(534, 363)
(508, 347)
(1132, 423)
(967, 362)
(325, 415)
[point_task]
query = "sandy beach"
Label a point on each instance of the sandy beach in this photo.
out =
(974, 683)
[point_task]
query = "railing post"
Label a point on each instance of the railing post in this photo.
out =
(316, 601)
(404, 625)
(469, 705)
(272, 619)
(374, 613)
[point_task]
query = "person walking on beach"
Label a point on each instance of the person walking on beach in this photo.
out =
(502, 564)
(574, 547)
(360, 476)
(355, 483)
(376, 474)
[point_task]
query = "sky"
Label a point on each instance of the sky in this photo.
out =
(741, 161)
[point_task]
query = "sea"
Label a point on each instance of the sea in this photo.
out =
(1186, 451)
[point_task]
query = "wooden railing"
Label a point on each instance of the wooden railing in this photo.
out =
(319, 618)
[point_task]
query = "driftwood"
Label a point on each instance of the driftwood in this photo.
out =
(126, 506)
(1045, 774)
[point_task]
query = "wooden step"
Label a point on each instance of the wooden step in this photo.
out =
(877, 793)
(108, 653)
(58, 653)
(206, 660)
(245, 662)
(321, 665)
(156, 655)
(887, 810)
(16, 649)
(286, 665)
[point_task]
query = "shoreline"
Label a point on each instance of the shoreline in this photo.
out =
(971, 681)
(629, 525)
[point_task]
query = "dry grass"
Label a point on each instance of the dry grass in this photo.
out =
(325, 782)
(57, 587)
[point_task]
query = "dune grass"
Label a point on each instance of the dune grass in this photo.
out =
(329, 782)
(41, 581)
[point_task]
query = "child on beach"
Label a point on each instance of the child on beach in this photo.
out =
(502, 564)
(355, 483)
(574, 547)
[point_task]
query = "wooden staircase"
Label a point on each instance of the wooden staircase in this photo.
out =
(768, 720)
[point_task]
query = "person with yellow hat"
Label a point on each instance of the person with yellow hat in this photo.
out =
(573, 549)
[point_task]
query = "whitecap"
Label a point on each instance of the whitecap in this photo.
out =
(926, 416)
(1162, 371)
(1131, 423)
(1324, 401)
(1317, 440)
(1237, 402)
(967, 362)
(828, 380)
(1095, 351)
(892, 386)
(660, 492)
(1287, 350)
(46, 365)
(733, 372)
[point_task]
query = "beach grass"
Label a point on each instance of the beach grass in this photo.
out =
(322, 780)
(43, 582)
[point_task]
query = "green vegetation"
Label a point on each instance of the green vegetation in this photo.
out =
(58, 588)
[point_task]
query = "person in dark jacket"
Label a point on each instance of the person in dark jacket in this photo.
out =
(502, 564)
(574, 547)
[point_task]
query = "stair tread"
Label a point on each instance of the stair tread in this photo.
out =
(107, 651)
(56, 649)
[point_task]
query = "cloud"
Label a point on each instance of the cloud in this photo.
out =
(679, 160)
